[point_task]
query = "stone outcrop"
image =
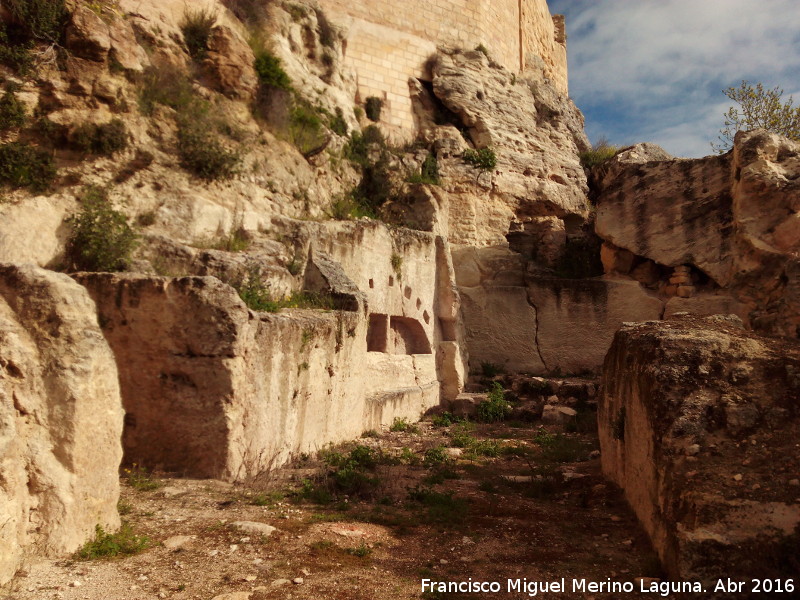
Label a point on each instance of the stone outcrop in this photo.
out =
(732, 217)
(698, 424)
(536, 134)
(60, 418)
(553, 324)
(213, 389)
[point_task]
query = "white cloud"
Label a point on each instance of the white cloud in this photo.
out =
(656, 67)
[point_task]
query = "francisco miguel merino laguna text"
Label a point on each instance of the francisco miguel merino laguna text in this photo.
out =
(534, 588)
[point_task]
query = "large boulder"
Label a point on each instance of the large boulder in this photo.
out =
(60, 418)
(698, 423)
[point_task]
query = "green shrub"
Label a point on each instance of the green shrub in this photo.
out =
(104, 139)
(357, 148)
(167, 85)
(444, 420)
(101, 239)
(306, 130)
(435, 456)
(202, 153)
(337, 124)
(443, 507)
(41, 20)
(484, 159)
(482, 49)
(491, 370)
(373, 107)
(15, 52)
(22, 165)
(196, 27)
(12, 111)
(344, 208)
(600, 153)
(270, 72)
(495, 407)
(109, 545)
(403, 425)
(429, 173)
(254, 293)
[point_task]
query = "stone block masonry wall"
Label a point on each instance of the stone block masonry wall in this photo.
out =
(388, 43)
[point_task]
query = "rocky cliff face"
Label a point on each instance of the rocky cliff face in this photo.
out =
(722, 229)
(60, 417)
(698, 423)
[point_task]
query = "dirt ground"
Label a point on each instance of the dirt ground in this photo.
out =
(372, 520)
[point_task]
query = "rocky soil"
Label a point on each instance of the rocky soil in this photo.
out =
(521, 500)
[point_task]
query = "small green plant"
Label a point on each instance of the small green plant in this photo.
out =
(402, 424)
(270, 72)
(601, 152)
(236, 241)
(203, 154)
(490, 370)
(124, 507)
(361, 551)
(140, 479)
(306, 130)
(495, 407)
(371, 433)
(267, 499)
(444, 420)
(103, 139)
(435, 456)
(337, 124)
(442, 507)
(429, 173)
(482, 49)
(12, 111)
(196, 27)
(373, 107)
(101, 238)
(110, 545)
(165, 85)
(484, 159)
(397, 265)
(40, 20)
(408, 457)
(461, 438)
(16, 51)
(22, 165)
(254, 292)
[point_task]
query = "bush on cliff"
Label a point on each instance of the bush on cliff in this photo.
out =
(101, 238)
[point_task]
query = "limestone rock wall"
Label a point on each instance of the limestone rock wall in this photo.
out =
(213, 389)
(552, 324)
(60, 418)
(698, 423)
(731, 219)
(536, 134)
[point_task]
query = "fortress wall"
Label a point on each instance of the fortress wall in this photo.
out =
(545, 39)
(387, 44)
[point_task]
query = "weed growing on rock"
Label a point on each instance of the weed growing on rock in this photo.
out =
(202, 153)
(484, 159)
(490, 370)
(41, 20)
(110, 545)
(196, 27)
(12, 111)
(101, 238)
(601, 152)
(22, 165)
(306, 130)
(444, 420)
(270, 72)
(429, 172)
(103, 139)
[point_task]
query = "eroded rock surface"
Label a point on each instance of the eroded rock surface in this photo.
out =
(698, 424)
(733, 218)
(60, 417)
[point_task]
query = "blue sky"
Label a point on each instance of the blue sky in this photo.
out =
(654, 70)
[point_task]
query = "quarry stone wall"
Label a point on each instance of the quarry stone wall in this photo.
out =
(387, 45)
